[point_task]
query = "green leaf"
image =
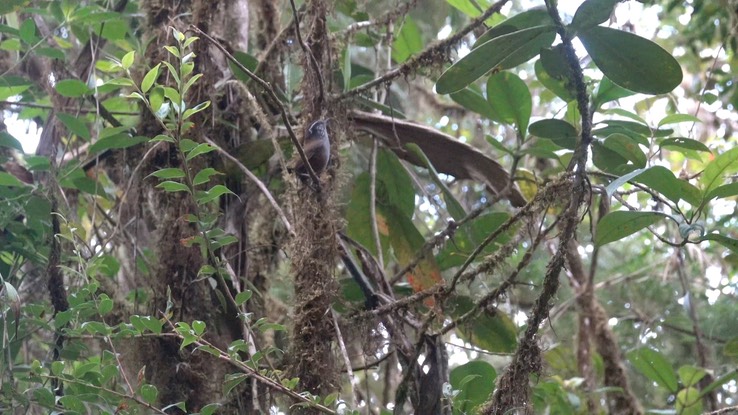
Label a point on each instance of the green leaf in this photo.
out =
(627, 148)
(683, 143)
(452, 205)
(215, 192)
(510, 100)
(691, 375)
(688, 402)
(619, 224)
(7, 180)
(407, 42)
(75, 125)
(473, 101)
(231, 381)
(170, 186)
(537, 16)
(492, 330)
(168, 173)
(729, 243)
(199, 327)
(662, 180)
(243, 296)
(654, 366)
(248, 61)
(150, 78)
(593, 12)
(7, 140)
(201, 148)
(127, 61)
(71, 88)
(204, 175)
(476, 381)
(105, 306)
(717, 169)
(149, 393)
(194, 110)
(726, 190)
(491, 55)
(561, 88)
(560, 132)
(27, 31)
(394, 185)
(631, 61)
(678, 118)
(117, 141)
(607, 91)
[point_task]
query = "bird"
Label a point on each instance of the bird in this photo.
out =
(317, 148)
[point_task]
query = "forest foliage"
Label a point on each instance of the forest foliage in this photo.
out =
(525, 211)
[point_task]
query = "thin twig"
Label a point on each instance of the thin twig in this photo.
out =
(429, 54)
(373, 202)
(308, 53)
(256, 181)
(270, 92)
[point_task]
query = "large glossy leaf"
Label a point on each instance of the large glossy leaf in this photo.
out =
(631, 61)
(654, 366)
(619, 224)
(510, 100)
(475, 380)
(492, 55)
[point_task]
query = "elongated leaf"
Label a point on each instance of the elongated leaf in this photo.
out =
(407, 42)
(627, 148)
(473, 101)
(678, 118)
(654, 366)
(75, 125)
(619, 224)
(714, 173)
(726, 190)
(71, 88)
(490, 55)
(537, 16)
(631, 61)
(729, 243)
(510, 100)
(116, 141)
(683, 143)
(454, 207)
